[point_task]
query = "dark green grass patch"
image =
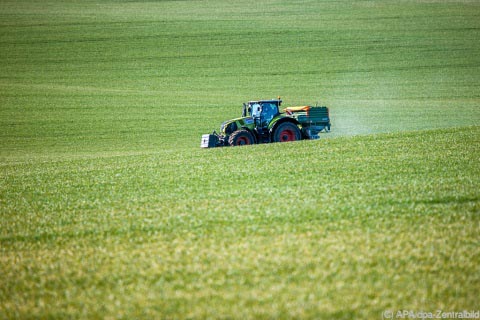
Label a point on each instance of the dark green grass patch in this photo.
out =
(88, 77)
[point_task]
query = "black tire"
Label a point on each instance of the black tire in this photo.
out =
(285, 132)
(241, 138)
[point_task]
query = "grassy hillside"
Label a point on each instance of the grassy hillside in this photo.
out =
(362, 225)
(86, 76)
(109, 209)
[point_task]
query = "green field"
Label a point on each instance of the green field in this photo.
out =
(109, 209)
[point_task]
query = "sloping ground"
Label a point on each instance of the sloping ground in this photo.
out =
(109, 209)
(118, 76)
(340, 228)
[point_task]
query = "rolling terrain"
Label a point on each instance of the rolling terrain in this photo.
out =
(109, 208)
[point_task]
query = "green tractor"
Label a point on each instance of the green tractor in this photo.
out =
(262, 122)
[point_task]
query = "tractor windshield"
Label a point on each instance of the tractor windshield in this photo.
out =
(269, 110)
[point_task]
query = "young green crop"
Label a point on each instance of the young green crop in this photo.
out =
(109, 208)
(341, 228)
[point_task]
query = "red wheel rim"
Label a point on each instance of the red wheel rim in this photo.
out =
(287, 135)
(243, 140)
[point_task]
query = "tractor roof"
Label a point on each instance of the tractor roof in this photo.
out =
(276, 101)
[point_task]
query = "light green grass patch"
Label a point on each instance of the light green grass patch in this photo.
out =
(369, 223)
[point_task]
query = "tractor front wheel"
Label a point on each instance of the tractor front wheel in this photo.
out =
(287, 131)
(241, 138)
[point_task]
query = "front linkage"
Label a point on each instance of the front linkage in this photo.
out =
(213, 140)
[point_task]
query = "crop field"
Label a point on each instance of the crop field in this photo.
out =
(110, 210)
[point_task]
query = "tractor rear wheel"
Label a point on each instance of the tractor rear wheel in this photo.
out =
(287, 131)
(241, 138)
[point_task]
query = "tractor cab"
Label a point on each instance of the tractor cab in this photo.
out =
(262, 111)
